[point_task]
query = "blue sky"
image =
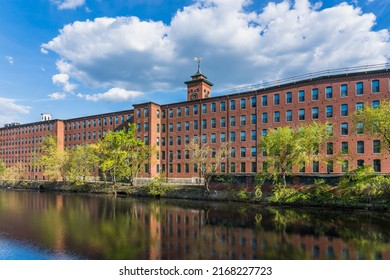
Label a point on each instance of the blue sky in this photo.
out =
(73, 58)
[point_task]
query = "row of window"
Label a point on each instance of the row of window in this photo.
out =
(97, 122)
(242, 167)
(301, 96)
(21, 141)
(27, 129)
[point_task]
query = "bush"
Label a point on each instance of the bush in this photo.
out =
(157, 187)
(287, 195)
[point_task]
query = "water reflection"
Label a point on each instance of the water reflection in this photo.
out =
(104, 227)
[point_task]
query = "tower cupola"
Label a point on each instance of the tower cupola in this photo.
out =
(198, 87)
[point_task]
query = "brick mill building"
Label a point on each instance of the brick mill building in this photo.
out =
(239, 118)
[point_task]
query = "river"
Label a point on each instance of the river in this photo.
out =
(44, 225)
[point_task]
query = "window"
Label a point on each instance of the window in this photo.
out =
(264, 117)
(178, 112)
(344, 166)
(242, 103)
(223, 122)
(242, 167)
(187, 125)
(376, 146)
(328, 92)
(344, 129)
(223, 137)
(204, 138)
(186, 139)
(204, 108)
(253, 135)
(376, 163)
(195, 110)
(329, 166)
(375, 86)
(276, 99)
(314, 113)
(253, 101)
(233, 152)
(359, 88)
(360, 147)
(146, 127)
(360, 162)
(232, 137)
(288, 115)
(204, 124)
(253, 119)
(213, 138)
(359, 128)
(178, 126)
(264, 132)
(171, 113)
(138, 114)
(213, 107)
(242, 136)
(223, 106)
(187, 111)
(171, 127)
(375, 104)
(232, 121)
(276, 116)
(359, 106)
(232, 167)
(242, 120)
(223, 167)
(253, 151)
(232, 104)
(344, 148)
(264, 100)
(314, 94)
(344, 90)
(329, 111)
(213, 123)
(316, 167)
(170, 141)
(329, 148)
(288, 98)
(253, 167)
(196, 125)
(242, 152)
(344, 110)
(301, 96)
(301, 114)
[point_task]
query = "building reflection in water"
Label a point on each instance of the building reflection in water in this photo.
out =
(105, 227)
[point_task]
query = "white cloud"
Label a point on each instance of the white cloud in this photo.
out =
(57, 95)
(10, 59)
(114, 95)
(10, 111)
(63, 81)
(238, 46)
(68, 4)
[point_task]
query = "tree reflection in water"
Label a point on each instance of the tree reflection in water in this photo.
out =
(106, 227)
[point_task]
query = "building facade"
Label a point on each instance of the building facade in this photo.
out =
(239, 119)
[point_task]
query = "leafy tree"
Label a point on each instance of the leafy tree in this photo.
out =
(81, 162)
(375, 121)
(52, 158)
(3, 169)
(207, 159)
(286, 147)
(122, 155)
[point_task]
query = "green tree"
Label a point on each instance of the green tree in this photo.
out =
(52, 158)
(207, 159)
(286, 147)
(122, 155)
(375, 122)
(81, 162)
(3, 170)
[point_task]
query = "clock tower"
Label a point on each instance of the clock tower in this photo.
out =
(198, 87)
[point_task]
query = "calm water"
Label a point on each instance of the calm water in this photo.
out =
(37, 225)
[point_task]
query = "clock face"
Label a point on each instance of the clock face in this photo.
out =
(194, 96)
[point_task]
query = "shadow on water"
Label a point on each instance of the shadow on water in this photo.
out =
(37, 225)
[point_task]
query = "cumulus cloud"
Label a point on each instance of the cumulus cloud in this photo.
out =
(10, 111)
(113, 95)
(10, 59)
(68, 4)
(239, 45)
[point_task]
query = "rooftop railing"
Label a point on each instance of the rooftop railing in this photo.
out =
(324, 73)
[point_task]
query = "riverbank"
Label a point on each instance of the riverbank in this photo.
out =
(287, 197)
